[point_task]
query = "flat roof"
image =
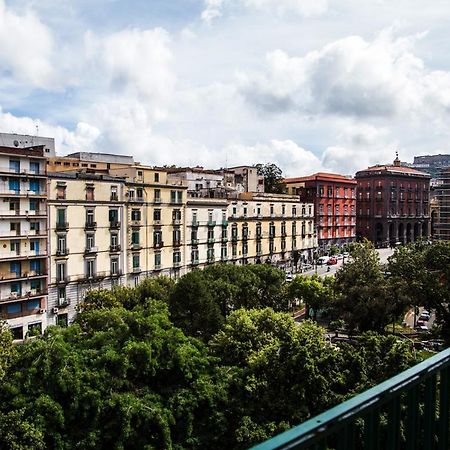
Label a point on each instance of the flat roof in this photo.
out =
(321, 176)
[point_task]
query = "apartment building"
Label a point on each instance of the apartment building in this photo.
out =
(207, 231)
(393, 203)
(156, 218)
(334, 199)
(23, 237)
(87, 237)
(274, 228)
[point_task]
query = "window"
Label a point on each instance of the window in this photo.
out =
(194, 255)
(245, 212)
(234, 250)
(156, 177)
(157, 237)
(136, 261)
(140, 174)
(136, 214)
(176, 258)
(258, 230)
(114, 266)
(271, 210)
(114, 195)
(272, 230)
(34, 186)
(244, 248)
(157, 215)
(34, 226)
(62, 320)
(114, 240)
(258, 248)
(173, 196)
(15, 247)
(157, 195)
(34, 205)
(61, 296)
(90, 217)
(90, 241)
(193, 235)
(234, 231)
(34, 246)
(15, 267)
(210, 233)
(90, 193)
(17, 332)
(60, 216)
(90, 268)
(283, 209)
(294, 211)
(32, 305)
(135, 237)
(14, 205)
(176, 214)
(60, 271)
(245, 231)
(113, 215)
(180, 197)
(223, 252)
(139, 194)
(176, 234)
(258, 210)
(14, 165)
(234, 210)
(60, 191)
(14, 185)
(158, 259)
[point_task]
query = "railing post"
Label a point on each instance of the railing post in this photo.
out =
(371, 430)
(393, 429)
(412, 418)
(430, 413)
(443, 408)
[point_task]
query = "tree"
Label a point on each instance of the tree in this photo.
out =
(273, 178)
(7, 350)
(364, 298)
(284, 373)
(311, 290)
(115, 379)
(193, 307)
(424, 271)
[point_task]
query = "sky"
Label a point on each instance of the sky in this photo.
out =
(330, 85)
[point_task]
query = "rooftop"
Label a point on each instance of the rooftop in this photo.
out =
(321, 176)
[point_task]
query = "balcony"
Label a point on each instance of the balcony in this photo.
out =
(158, 244)
(90, 225)
(62, 252)
(114, 248)
(136, 223)
(114, 197)
(224, 240)
(135, 246)
(136, 270)
(211, 223)
(195, 262)
(417, 401)
(157, 200)
(224, 223)
(194, 241)
(195, 223)
(176, 221)
(116, 274)
(211, 240)
(177, 264)
(90, 250)
(114, 225)
(63, 302)
(176, 243)
(62, 226)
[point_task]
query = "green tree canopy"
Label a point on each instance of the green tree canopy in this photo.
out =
(273, 178)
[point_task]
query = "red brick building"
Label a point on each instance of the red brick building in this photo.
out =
(334, 198)
(392, 204)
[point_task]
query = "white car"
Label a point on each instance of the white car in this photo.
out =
(323, 260)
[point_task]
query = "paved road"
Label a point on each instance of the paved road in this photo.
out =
(323, 270)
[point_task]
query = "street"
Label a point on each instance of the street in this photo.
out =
(323, 270)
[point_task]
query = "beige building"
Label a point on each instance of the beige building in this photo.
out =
(273, 228)
(23, 239)
(207, 235)
(87, 239)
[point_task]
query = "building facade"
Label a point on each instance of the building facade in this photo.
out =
(272, 228)
(23, 237)
(334, 200)
(392, 204)
(440, 207)
(87, 239)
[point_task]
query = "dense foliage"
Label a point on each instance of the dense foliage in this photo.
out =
(212, 361)
(273, 178)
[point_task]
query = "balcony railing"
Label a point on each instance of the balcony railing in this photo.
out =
(416, 401)
(62, 226)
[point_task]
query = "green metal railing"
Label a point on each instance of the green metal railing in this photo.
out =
(409, 411)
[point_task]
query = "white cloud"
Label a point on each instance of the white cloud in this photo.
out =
(350, 77)
(26, 48)
(137, 65)
(83, 138)
(305, 8)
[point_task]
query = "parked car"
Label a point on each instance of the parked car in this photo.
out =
(323, 260)
(332, 261)
(289, 277)
(339, 257)
(422, 328)
(425, 316)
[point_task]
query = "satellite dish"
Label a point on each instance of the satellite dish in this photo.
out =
(16, 143)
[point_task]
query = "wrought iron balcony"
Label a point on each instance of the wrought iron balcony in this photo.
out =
(416, 401)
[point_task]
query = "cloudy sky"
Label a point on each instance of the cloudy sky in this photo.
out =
(311, 85)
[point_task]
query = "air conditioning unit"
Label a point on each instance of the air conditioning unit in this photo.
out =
(41, 311)
(13, 295)
(55, 310)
